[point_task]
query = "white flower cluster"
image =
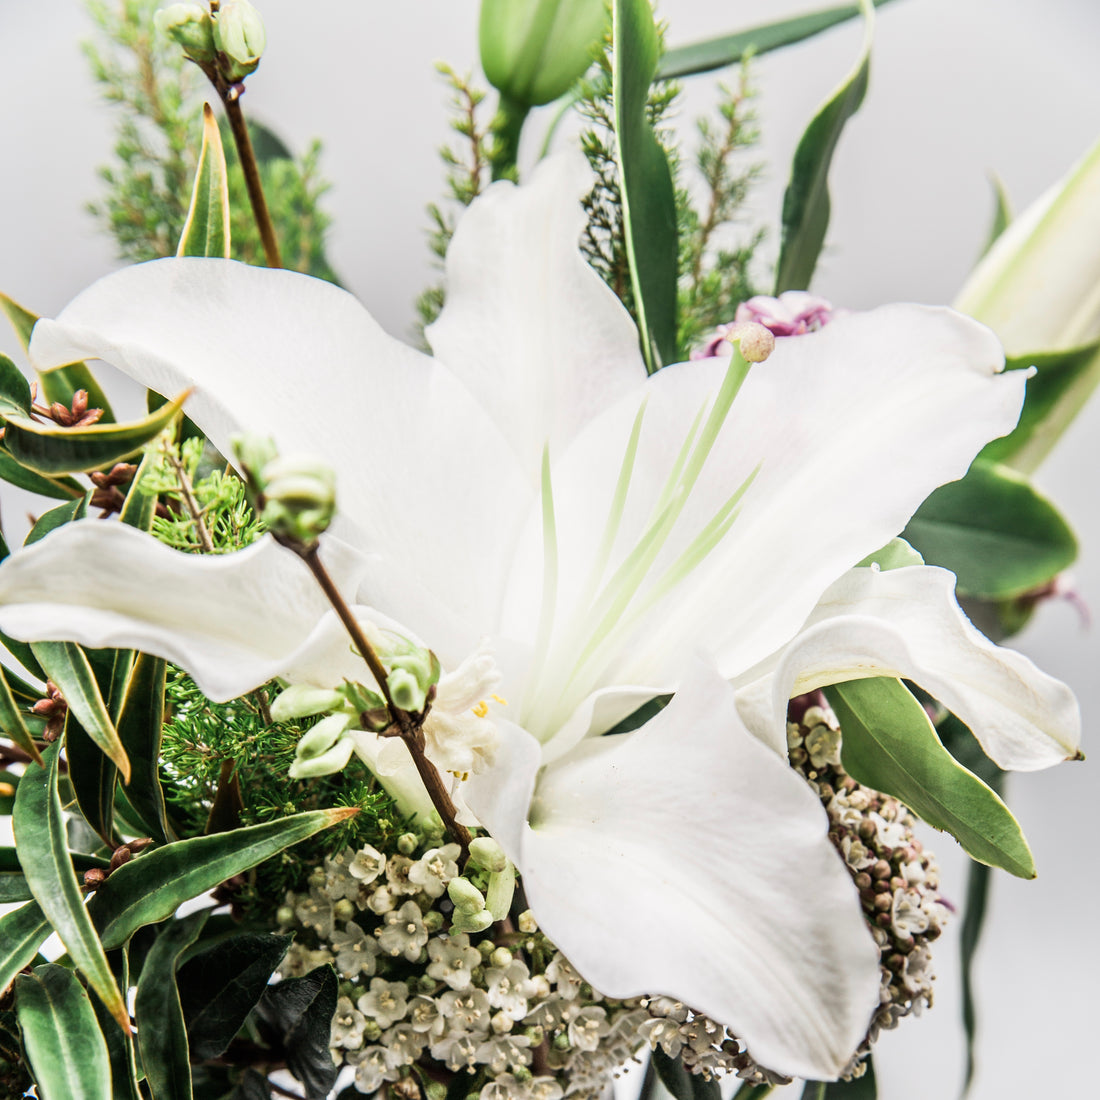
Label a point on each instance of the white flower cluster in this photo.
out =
(898, 880)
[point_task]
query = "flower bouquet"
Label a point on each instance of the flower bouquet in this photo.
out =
(561, 695)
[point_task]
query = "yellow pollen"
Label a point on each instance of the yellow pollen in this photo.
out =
(481, 709)
(502, 702)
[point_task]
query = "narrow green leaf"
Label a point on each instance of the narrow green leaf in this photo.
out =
(13, 883)
(889, 744)
(221, 984)
(648, 199)
(1002, 212)
(1058, 374)
(15, 390)
(994, 531)
(64, 1045)
(206, 231)
(162, 1036)
(49, 449)
(93, 777)
(140, 505)
(57, 517)
(66, 664)
(140, 722)
(806, 201)
(62, 382)
(120, 1044)
(683, 1084)
(58, 488)
(11, 720)
(729, 49)
(859, 1088)
(39, 827)
(149, 888)
(813, 1090)
(22, 933)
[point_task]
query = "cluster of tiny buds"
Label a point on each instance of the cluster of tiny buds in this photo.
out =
(898, 880)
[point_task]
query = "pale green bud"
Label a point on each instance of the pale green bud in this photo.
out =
(326, 763)
(191, 27)
(467, 898)
(303, 701)
(254, 452)
(407, 843)
(533, 51)
(501, 957)
(299, 497)
(343, 910)
(498, 898)
(323, 736)
(239, 34)
(470, 922)
(486, 852)
(405, 690)
(526, 922)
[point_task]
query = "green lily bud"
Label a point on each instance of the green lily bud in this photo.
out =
(239, 34)
(470, 922)
(405, 690)
(322, 736)
(303, 701)
(467, 898)
(533, 51)
(299, 497)
(191, 27)
(486, 852)
(498, 898)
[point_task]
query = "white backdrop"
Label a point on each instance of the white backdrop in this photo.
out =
(959, 88)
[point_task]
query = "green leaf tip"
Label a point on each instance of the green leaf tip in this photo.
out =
(207, 229)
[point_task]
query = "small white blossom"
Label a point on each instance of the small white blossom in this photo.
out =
(367, 864)
(404, 1044)
(423, 1015)
(403, 932)
(504, 1052)
(397, 876)
(468, 1009)
(386, 1001)
(457, 1050)
(371, 1069)
(509, 989)
(588, 1027)
(562, 974)
(452, 960)
(356, 952)
(434, 869)
(347, 1025)
(381, 901)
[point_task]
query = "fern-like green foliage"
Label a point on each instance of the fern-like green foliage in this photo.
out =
(159, 94)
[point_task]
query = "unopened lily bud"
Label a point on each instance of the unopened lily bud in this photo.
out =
(303, 701)
(486, 852)
(191, 27)
(323, 736)
(299, 497)
(325, 763)
(533, 50)
(239, 34)
(467, 898)
(405, 690)
(498, 898)
(471, 923)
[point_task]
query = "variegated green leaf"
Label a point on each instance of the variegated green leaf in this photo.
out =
(206, 231)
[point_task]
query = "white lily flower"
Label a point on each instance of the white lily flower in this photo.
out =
(531, 486)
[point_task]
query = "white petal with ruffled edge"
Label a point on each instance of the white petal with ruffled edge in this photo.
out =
(534, 333)
(424, 475)
(848, 430)
(906, 623)
(713, 881)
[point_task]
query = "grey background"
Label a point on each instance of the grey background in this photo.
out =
(959, 88)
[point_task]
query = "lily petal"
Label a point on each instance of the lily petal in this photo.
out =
(838, 437)
(906, 623)
(233, 621)
(534, 333)
(301, 360)
(713, 882)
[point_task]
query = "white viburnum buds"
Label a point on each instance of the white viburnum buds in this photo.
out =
(299, 497)
(191, 26)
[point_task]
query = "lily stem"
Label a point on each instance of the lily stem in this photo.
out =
(407, 726)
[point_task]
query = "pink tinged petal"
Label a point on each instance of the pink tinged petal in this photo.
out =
(838, 437)
(529, 327)
(906, 623)
(423, 474)
(232, 621)
(687, 859)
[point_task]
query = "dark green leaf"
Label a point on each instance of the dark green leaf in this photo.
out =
(220, 985)
(994, 531)
(212, 1083)
(140, 722)
(648, 198)
(59, 488)
(729, 49)
(22, 933)
(1057, 375)
(859, 1088)
(890, 745)
(120, 1045)
(813, 1090)
(57, 517)
(15, 390)
(39, 827)
(253, 1086)
(67, 665)
(149, 888)
(206, 231)
(299, 1011)
(806, 201)
(49, 449)
(140, 505)
(22, 320)
(11, 720)
(93, 777)
(162, 1036)
(66, 1050)
(8, 782)
(680, 1082)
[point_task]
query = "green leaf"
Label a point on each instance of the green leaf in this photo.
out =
(253, 1085)
(22, 933)
(15, 390)
(859, 1088)
(206, 231)
(39, 826)
(813, 1090)
(149, 888)
(299, 1012)
(140, 505)
(889, 744)
(162, 1036)
(93, 777)
(1057, 375)
(66, 1050)
(13, 883)
(120, 1045)
(648, 198)
(50, 449)
(11, 720)
(58, 488)
(220, 985)
(66, 664)
(729, 49)
(1002, 213)
(994, 531)
(60, 383)
(806, 201)
(680, 1082)
(140, 723)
